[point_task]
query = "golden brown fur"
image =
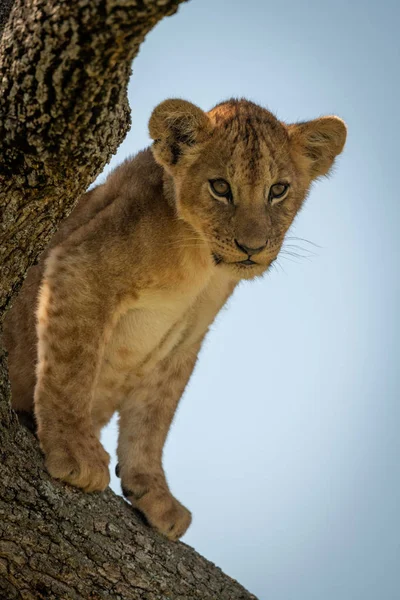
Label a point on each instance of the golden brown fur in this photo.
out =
(114, 315)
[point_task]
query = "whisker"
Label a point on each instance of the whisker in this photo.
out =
(182, 247)
(294, 256)
(299, 239)
(183, 242)
(178, 244)
(278, 264)
(297, 247)
(291, 260)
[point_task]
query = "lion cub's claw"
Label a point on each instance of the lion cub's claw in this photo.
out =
(153, 499)
(81, 462)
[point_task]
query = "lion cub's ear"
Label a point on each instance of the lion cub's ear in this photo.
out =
(176, 126)
(318, 143)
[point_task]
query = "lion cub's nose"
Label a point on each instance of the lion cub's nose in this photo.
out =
(249, 251)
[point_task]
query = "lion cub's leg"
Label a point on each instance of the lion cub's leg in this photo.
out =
(71, 322)
(144, 421)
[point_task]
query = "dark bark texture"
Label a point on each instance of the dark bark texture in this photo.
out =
(5, 7)
(57, 542)
(64, 71)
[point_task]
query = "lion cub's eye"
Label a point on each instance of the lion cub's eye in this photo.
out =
(277, 191)
(221, 188)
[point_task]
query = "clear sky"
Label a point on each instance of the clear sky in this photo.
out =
(291, 464)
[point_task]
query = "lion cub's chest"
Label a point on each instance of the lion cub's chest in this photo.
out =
(144, 336)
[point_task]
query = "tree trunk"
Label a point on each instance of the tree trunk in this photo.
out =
(64, 71)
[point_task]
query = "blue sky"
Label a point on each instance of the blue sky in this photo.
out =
(291, 465)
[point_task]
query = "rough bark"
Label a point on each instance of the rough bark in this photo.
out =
(57, 542)
(5, 7)
(64, 70)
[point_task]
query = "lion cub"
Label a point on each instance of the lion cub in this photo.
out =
(113, 317)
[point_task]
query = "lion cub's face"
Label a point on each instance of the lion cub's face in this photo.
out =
(240, 175)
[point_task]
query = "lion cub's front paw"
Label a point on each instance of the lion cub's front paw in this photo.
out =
(80, 461)
(151, 496)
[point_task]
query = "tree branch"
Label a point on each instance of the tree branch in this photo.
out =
(57, 542)
(64, 70)
(5, 8)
